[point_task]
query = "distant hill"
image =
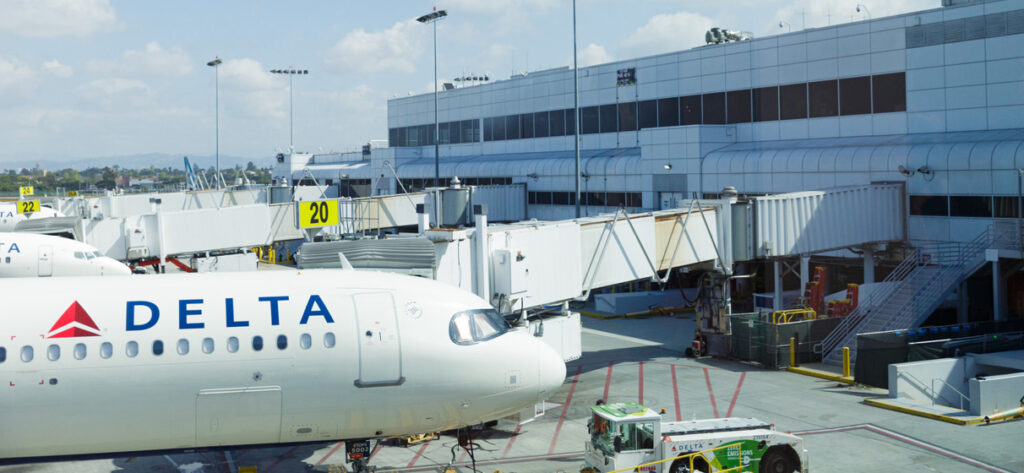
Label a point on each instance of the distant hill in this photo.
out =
(137, 161)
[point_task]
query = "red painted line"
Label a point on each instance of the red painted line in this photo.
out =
(515, 433)
(608, 381)
(714, 407)
(675, 392)
(565, 410)
(736, 394)
(641, 401)
(909, 440)
(463, 455)
(282, 458)
(335, 449)
(227, 466)
(419, 453)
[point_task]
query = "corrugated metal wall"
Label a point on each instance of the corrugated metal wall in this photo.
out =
(817, 221)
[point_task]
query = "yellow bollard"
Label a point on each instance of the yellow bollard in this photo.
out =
(792, 351)
(846, 362)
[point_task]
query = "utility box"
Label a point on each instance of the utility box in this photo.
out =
(137, 247)
(510, 271)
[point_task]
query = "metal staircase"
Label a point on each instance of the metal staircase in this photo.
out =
(915, 289)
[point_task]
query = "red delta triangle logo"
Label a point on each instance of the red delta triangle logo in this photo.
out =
(75, 322)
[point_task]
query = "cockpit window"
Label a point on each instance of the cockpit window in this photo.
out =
(91, 254)
(474, 326)
(79, 255)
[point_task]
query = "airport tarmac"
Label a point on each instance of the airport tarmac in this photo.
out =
(639, 360)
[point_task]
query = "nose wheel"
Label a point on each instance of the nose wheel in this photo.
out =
(360, 466)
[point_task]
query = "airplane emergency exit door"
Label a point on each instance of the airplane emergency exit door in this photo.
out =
(380, 350)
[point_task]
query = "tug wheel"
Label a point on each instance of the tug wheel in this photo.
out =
(779, 460)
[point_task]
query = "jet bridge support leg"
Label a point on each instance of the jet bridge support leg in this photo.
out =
(777, 274)
(805, 270)
(869, 264)
(998, 293)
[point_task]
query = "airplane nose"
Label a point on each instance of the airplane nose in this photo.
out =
(551, 371)
(113, 267)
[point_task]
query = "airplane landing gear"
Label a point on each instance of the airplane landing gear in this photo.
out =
(361, 466)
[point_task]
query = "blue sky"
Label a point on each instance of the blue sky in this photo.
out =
(85, 78)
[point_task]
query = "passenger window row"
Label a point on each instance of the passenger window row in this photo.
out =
(106, 349)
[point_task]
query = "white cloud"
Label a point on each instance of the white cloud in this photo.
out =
(251, 90)
(592, 54)
(15, 75)
(393, 49)
(115, 92)
(56, 69)
(667, 32)
(53, 18)
(154, 60)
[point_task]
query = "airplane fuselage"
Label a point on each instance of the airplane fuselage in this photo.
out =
(183, 361)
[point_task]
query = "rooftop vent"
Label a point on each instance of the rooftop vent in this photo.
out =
(719, 35)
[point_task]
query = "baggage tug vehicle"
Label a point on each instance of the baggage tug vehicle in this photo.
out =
(630, 437)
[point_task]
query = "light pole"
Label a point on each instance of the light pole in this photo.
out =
(291, 128)
(216, 101)
(865, 8)
(576, 108)
(433, 17)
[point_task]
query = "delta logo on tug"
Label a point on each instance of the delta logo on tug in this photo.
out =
(75, 322)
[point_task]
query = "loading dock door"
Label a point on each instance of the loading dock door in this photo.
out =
(46, 260)
(380, 351)
(240, 416)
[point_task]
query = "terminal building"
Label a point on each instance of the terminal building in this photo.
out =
(933, 99)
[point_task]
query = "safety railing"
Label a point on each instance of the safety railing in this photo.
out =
(932, 393)
(691, 457)
(792, 315)
(936, 393)
(921, 281)
(864, 307)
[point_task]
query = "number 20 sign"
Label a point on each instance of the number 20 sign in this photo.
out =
(318, 213)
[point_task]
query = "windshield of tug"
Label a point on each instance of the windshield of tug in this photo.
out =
(474, 326)
(631, 423)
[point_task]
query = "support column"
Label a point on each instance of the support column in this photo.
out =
(962, 305)
(869, 265)
(805, 271)
(422, 219)
(483, 259)
(998, 294)
(777, 300)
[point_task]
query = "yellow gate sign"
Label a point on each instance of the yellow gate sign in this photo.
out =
(27, 190)
(72, 193)
(318, 213)
(28, 206)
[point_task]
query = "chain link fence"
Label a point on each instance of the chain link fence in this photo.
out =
(755, 338)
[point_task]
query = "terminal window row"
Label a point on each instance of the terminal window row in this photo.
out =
(964, 206)
(182, 347)
(966, 29)
(596, 199)
(882, 93)
(416, 185)
(462, 131)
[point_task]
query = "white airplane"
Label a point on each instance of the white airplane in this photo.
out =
(171, 362)
(9, 216)
(24, 255)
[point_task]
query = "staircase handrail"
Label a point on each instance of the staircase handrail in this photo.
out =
(877, 294)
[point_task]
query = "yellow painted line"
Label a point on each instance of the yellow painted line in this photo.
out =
(881, 402)
(821, 374)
